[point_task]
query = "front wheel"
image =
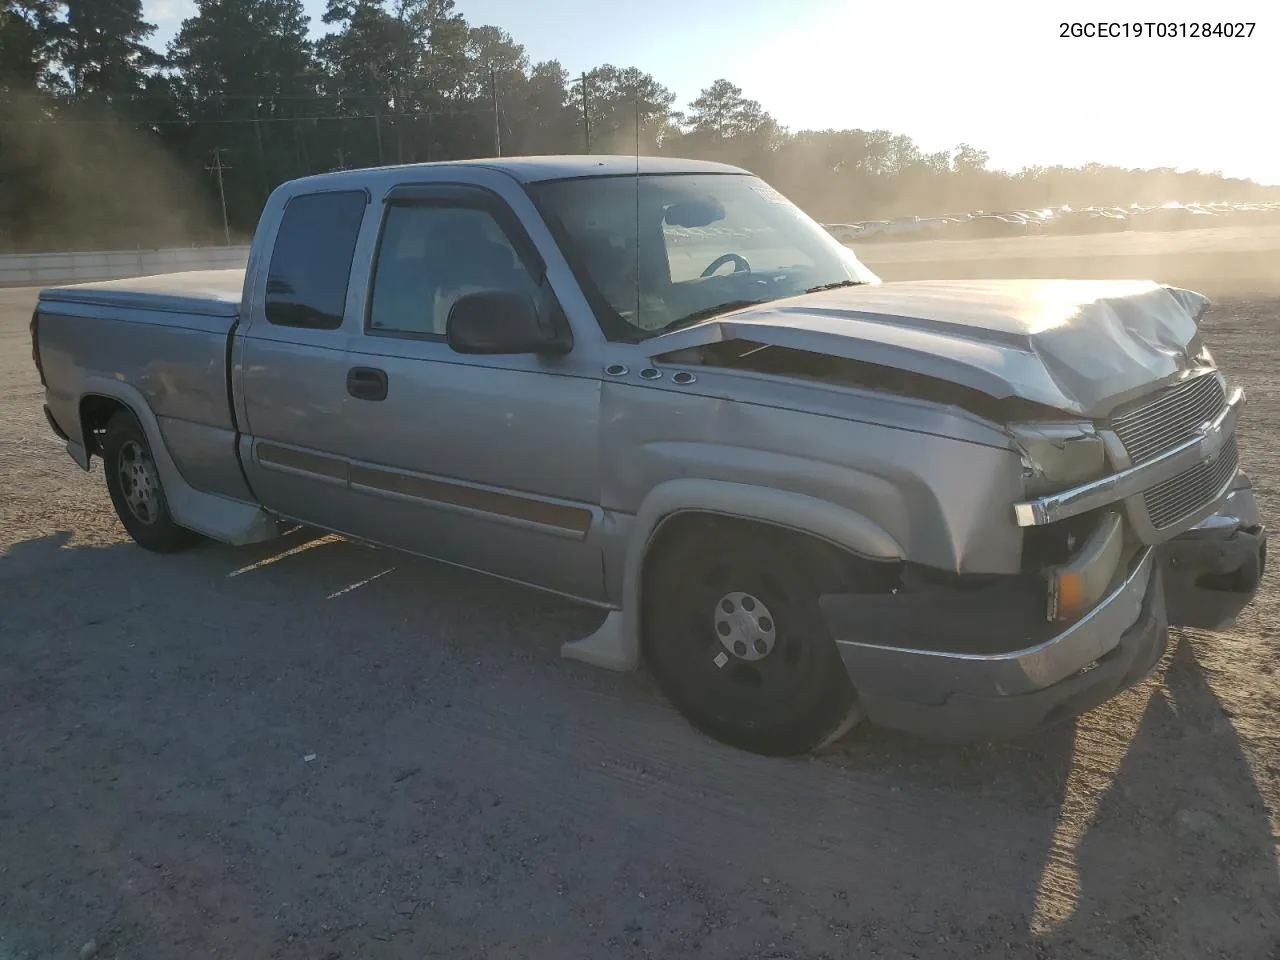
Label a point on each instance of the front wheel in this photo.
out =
(734, 635)
(136, 491)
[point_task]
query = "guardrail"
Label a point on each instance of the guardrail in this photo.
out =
(42, 269)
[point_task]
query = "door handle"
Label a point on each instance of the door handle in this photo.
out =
(367, 383)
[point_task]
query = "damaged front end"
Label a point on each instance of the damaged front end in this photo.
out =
(1173, 470)
(969, 657)
(1134, 523)
(1213, 570)
(978, 680)
(1134, 515)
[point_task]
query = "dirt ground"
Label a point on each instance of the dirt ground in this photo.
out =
(317, 750)
(1221, 259)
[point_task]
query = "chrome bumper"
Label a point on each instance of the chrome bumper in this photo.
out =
(1205, 445)
(932, 676)
(964, 717)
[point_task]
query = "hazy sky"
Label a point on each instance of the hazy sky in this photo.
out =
(992, 73)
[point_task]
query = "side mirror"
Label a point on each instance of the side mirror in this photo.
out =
(498, 322)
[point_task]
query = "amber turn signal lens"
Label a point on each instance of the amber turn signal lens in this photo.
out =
(1078, 585)
(1070, 597)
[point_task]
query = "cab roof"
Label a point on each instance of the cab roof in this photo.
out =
(536, 169)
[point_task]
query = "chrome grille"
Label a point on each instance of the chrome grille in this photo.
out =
(1179, 496)
(1171, 418)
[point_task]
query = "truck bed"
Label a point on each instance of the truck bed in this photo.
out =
(213, 293)
(164, 337)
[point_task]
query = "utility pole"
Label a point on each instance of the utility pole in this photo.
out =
(497, 126)
(586, 116)
(301, 144)
(222, 193)
(262, 153)
(377, 129)
(377, 113)
(401, 112)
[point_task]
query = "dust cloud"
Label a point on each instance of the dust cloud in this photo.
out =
(90, 182)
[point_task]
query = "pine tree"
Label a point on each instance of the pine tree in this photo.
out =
(247, 77)
(29, 34)
(105, 49)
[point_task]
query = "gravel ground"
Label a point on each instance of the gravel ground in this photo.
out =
(312, 749)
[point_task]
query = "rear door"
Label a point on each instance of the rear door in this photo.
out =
(291, 361)
(490, 462)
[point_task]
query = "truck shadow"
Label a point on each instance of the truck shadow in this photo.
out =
(1173, 854)
(1162, 843)
(165, 718)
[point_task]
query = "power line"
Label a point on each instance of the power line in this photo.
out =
(164, 98)
(425, 114)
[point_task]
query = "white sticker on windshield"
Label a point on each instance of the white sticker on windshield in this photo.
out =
(770, 194)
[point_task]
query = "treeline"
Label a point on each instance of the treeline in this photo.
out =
(106, 143)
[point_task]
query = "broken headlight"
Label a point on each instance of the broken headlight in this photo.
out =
(1056, 456)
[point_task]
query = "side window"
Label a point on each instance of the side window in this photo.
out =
(429, 256)
(311, 263)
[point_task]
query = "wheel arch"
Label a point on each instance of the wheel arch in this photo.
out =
(95, 412)
(218, 517)
(101, 399)
(616, 645)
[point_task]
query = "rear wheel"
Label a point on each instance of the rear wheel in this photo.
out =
(733, 633)
(136, 491)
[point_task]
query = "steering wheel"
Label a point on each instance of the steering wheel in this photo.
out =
(740, 264)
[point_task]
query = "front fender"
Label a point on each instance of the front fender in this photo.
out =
(616, 645)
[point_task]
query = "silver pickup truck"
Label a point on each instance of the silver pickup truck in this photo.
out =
(805, 496)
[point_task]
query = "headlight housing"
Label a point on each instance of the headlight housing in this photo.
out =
(1058, 455)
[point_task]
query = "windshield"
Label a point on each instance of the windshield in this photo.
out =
(656, 252)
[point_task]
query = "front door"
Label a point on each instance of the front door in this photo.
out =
(490, 462)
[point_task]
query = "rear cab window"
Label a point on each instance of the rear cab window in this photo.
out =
(311, 263)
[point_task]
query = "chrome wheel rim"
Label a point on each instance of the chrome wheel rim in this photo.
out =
(139, 482)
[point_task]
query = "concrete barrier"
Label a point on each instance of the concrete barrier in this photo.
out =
(44, 269)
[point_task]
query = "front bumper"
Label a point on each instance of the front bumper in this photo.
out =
(1202, 578)
(964, 716)
(1213, 570)
(954, 695)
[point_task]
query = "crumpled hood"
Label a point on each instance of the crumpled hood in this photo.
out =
(1069, 344)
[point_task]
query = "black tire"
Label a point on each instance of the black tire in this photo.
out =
(136, 490)
(794, 698)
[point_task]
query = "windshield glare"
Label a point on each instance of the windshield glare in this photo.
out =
(655, 251)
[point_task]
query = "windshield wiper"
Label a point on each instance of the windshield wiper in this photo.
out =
(837, 285)
(706, 313)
